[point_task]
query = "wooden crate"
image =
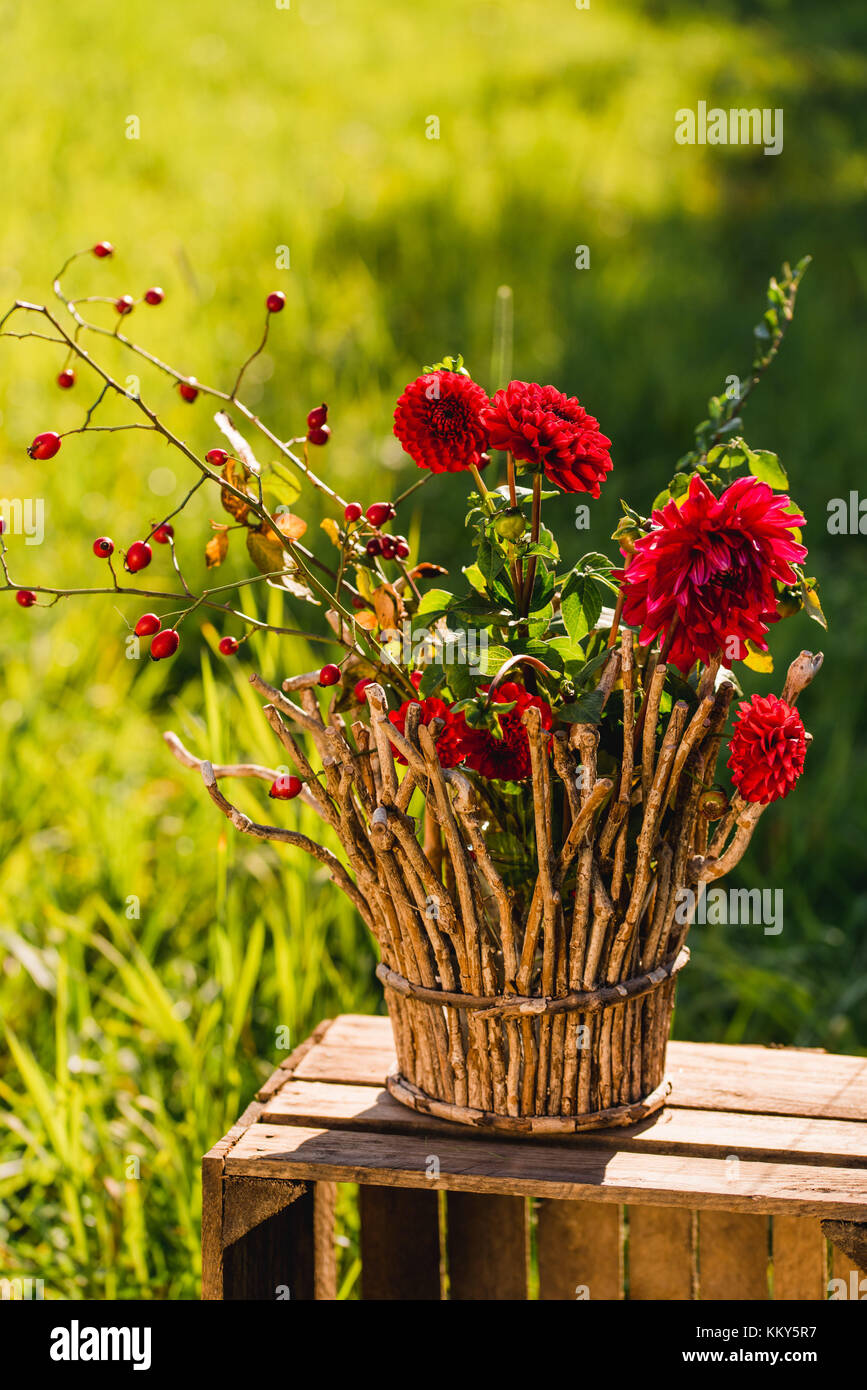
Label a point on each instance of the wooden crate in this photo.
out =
(722, 1195)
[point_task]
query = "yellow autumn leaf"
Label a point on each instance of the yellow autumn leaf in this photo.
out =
(366, 620)
(332, 530)
(217, 549)
(266, 552)
(290, 525)
(758, 660)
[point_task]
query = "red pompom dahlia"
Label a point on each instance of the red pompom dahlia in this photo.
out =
(712, 563)
(767, 749)
(541, 426)
(506, 757)
(454, 740)
(437, 422)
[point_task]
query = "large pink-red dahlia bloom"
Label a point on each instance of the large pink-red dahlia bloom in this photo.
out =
(712, 563)
(767, 749)
(541, 426)
(437, 422)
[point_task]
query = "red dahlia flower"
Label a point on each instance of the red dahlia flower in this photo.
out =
(437, 422)
(767, 749)
(541, 426)
(506, 757)
(455, 739)
(712, 563)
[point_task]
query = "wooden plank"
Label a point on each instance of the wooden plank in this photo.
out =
(661, 1253)
(276, 1259)
(521, 1168)
(212, 1225)
(837, 1142)
(706, 1076)
(800, 1257)
(854, 1279)
(733, 1255)
(775, 1081)
(400, 1244)
(579, 1249)
(488, 1247)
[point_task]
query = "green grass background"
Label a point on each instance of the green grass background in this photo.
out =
(132, 1042)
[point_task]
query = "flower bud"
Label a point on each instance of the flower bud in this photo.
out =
(511, 525)
(713, 803)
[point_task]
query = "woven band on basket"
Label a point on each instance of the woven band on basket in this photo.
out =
(513, 1005)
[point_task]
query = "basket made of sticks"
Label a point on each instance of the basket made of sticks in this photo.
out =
(542, 1005)
(587, 1060)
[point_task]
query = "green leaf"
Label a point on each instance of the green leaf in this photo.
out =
(473, 576)
(431, 680)
(279, 483)
(767, 468)
(493, 659)
(462, 682)
(435, 601)
(581, 604)
(568, 650)
(586, 710)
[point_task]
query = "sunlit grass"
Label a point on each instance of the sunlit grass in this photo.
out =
(148, 955)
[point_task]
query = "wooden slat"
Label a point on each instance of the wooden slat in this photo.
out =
(355, 1049)
(400, 1247)
(276, 1259)
(800, 1257)
(661, 1253)
(706, 1076)
(547, 1170)
(855, 1279)
(733, 1254)
(487, 1243)
(579, 1249)
(838, 1142)
(777, 1081)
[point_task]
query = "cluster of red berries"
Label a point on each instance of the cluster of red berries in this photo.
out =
(317, 430)
(377, 514)
(165, 641)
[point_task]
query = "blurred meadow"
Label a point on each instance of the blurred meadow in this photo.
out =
(148, 959)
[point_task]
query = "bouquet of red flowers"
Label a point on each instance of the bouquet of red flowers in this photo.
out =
(519, 770)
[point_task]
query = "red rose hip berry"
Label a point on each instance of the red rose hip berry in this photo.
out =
(401, 547)
(138, 557)
(163, 534)
(66, 379)
(25, 597)
(329, 675)
(380, 512)
(360, 688)
(103, 546)
(189, 390)
(154, 295)
(217, 457)
(389, 547)
(317, 417)
(353, 511)
(165, 644)
(374, 546)
(103, 249)
(147, 625)
(45, 446)
(319, 436)
(125, 304)
(275, 301)
(284, 788)
(229, 645)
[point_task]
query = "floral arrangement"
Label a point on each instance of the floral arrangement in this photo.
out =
(520, 767)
